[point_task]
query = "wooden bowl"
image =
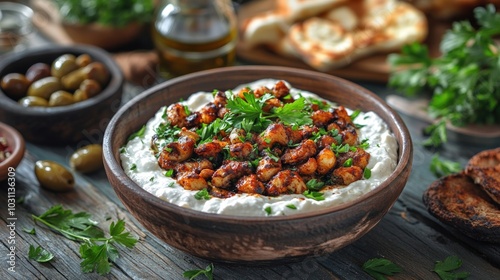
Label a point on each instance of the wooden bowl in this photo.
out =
(81, 121)
(16, 145)
(105, 37)
(254, 240)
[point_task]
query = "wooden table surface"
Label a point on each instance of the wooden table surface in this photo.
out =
(408, 235)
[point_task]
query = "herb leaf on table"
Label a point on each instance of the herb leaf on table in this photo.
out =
(379, 268)
(96, 250)
(441, 167)
(444, 269)
(463, 81)
(39, 254)
(192, 274)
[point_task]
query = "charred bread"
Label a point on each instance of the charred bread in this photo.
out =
(457, 201)
(484, 169)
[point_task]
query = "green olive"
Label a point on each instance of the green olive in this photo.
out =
(38, 71)
(95, 71)
(91, 87)
(80, 95)
(33, 101)
(53, 176)
(61, 98)
(83, 60)
(44, 87)
(15, 85)
(87, 159)
(63, 65)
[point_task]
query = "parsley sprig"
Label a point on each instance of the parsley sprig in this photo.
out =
(445, 269)
(250, 111)
(96, 250)
(441, 167)
(379, 268)
(463, 81)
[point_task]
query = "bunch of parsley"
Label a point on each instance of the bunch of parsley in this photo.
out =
(106, 12)
(464, 80)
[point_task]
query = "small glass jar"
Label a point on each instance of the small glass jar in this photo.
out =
(194, 35)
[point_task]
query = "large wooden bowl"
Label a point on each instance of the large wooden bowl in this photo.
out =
(83, 121)
(254, 239)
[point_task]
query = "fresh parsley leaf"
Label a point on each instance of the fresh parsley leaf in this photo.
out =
(192, 274)
(30, 231)
(268, 210)
(39, 254)
(444, 269)
(379, 268)
(96, 250)
(441, 167)
(291, 206)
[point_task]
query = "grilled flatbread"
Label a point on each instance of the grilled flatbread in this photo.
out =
(484, 169)
(328, 34)
(457, 201)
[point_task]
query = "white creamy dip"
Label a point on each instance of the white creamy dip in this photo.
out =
(140, 164)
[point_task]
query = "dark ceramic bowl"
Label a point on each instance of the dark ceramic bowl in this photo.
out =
(81, 121)
(254, 240)
(16, 146)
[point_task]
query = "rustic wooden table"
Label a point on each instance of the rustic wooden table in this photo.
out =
(408, 235)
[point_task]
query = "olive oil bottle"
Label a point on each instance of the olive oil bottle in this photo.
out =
(194, 35)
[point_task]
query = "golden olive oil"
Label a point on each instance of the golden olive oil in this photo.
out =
(192, 38)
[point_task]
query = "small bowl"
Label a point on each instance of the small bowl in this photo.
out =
(15, 24)
(106, 37)
(16, 145)
(81, 121)
(254, 240)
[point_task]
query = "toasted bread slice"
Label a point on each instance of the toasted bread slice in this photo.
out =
(457, 201)
(484, 169)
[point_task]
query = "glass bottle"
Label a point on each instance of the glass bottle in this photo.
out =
(194, 35)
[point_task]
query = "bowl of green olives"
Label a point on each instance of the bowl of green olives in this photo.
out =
(58, 94)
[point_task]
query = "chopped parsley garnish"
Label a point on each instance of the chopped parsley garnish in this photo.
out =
(348, 162)
(314, 185)
(169, 173)
(268, 210)
(291, 206)
(202, 194)
(133, 166)
(139, 133)
(367, 173)
(314, 195)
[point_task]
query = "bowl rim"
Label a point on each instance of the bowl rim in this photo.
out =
(117, 79)
(405, 147)
(16, 140)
